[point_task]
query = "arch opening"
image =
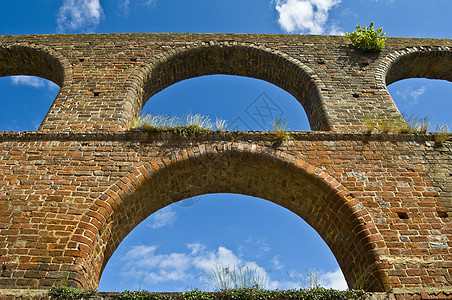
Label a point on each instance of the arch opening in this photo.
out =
(34, 77)
(246, 61)
(415, 75)
(25, 102)
(244, 103)
(420, 64)
(174, 247)
(20, 60)
(314, 196)
(423, 97)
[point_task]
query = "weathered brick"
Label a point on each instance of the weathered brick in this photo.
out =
(374, 198)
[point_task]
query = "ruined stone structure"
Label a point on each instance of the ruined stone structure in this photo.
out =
(71, 191)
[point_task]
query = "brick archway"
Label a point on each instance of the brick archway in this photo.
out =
(309, 192)
(241, 60)
(415, 63)
(36, 60)
(66, 189)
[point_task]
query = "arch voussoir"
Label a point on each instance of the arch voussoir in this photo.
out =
(177, 64)
(141, 192)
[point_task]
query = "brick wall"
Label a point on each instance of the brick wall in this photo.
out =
(67, 200)
(70, 192)
(105, 79)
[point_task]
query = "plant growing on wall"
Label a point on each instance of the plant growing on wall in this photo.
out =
(442, 133)
(367, 38)
(236, 277)
(280, 131)
(189, 125)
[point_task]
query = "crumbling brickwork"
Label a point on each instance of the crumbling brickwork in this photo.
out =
(70, 192)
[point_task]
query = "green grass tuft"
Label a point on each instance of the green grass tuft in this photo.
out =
(237, 277)
(417, 124)
(188, 125)
(280, 134)
(70, 293)
(442, 133)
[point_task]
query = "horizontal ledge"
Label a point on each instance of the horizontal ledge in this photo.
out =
(371, 295)
(428, 290)
(132, 136)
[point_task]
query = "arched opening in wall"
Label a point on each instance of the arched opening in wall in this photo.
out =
(419, 83)
(29, 79)
(25, 101)
(246, 61)
(177, 247)
(244, 103)
(424, 98)
(246, 169)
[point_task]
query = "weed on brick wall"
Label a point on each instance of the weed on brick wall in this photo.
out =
(413, 124)
(236, 282)
(442, 133)
(70, 293)
(280, 133)
(319, 293)
(237, 277)
(189, 125)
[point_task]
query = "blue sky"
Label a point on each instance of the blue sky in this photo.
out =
(170, 249)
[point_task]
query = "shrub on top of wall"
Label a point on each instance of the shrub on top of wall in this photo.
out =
(367, 38)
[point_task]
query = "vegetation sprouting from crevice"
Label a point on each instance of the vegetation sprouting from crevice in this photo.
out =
(187, 126)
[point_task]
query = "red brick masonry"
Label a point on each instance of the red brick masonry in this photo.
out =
(70, 192)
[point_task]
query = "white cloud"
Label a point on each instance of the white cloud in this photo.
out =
(259, 246)
(196, 248)
(28, 81)
(418, 93)
(140, 251)
(411, 94)
(305, 16)
(161, 218)
(79, 14)
(335, 280)
(33, 81)
(144, 262)
(335, 30)
(149, 3)
(124, 6)
(223, 257)
(277, 265)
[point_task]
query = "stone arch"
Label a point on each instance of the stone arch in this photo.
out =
(222, 58)
(318, 198)
(35, 60)
(429, 62)
(415, 63)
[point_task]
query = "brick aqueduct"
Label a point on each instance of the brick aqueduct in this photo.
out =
(71, 191)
